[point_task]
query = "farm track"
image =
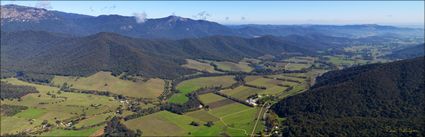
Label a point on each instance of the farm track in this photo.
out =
(258, 118)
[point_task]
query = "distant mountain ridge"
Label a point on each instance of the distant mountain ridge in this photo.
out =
(21, 18)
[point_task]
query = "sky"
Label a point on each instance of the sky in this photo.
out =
(252, 12)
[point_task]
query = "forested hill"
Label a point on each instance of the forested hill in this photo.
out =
(50, 53)
(371, 100)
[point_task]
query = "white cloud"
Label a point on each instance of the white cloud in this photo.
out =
(202, 15)
(44, 4)
(140, 17)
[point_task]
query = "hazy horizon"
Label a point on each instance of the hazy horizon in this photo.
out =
(405, 14)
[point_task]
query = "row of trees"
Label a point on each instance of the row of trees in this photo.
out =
(114, 128)
(9, 91)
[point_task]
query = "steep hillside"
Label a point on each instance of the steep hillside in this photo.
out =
(372, 100)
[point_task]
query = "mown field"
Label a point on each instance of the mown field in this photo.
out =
(51, 104)
(205, 67)
(242, 92)
(104, 81)
(191, 85)
(231, 66)
(271, 85)
(73, 133)
(210, 98)
(165, 123)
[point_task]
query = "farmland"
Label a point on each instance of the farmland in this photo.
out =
(226, 106)
(191, 85)
(242, 92)
(104, 81)
(61, 132)
(233, 119)
(165, 123)
(52, 105)
(210, 97)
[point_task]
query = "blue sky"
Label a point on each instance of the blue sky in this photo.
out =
(254, 12)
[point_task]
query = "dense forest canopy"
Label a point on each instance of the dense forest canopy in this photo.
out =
(371, 100)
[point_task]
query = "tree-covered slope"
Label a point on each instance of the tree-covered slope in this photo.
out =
(371, 100)
(410, 52)
(50, 53)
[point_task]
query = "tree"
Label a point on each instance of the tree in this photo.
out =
(44, 122)
(193, 123)
(139, 133)
(209, 124)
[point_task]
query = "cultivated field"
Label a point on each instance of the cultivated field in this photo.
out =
(104, 81)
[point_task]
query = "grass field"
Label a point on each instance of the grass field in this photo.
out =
(165, 123)
(104, 81)
(73, 133)
(13, 125)
(210, 97)
(237, 118)
(230, 66)
(341, 60)
(31, 113)
(289, 77)
(244, 120)
(92, 120)
(41, 106)
(191, 85)
(202, 115)
(242, 92)
(228, 109)
(233, 119)
(193, 64)
(295, 66)
(260, 81)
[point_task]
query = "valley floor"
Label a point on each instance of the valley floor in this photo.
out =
(224, 98)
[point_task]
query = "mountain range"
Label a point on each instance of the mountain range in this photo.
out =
(21, 18)
(53, 53)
